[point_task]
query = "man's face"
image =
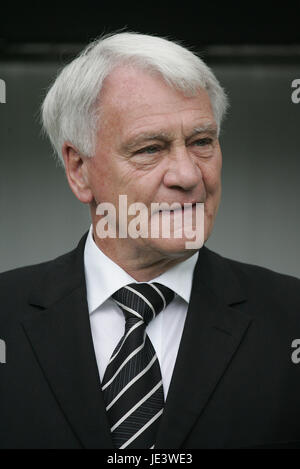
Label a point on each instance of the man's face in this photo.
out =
(155, 145)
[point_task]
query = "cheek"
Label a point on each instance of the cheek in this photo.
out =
(212, 180)
(140, 190)
(143, 186)
(101, 181)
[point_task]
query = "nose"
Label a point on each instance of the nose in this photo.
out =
(183, 171)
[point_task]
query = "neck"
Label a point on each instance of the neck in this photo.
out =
(140, 262)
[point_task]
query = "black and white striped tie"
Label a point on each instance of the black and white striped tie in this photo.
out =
(132, 383)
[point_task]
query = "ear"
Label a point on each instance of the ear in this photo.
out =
(76, 172)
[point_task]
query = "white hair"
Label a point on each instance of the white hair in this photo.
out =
(70, 111)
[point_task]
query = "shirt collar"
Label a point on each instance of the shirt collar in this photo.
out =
(100, 270)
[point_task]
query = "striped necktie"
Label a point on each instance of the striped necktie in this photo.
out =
(132, 383)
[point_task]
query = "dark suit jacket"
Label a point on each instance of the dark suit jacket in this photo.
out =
(234, 384)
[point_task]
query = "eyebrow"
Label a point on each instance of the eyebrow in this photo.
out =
(168, 136)
(208, 128)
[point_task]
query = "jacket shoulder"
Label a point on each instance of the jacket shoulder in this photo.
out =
(23, 278)
(251, 270)
(256, 273)
(262, 283)
(20, 278)
(17, 284)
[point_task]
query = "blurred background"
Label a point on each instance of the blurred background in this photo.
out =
(254, 52)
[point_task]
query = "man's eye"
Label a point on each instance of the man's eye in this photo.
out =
(150, 150)
(202, 142)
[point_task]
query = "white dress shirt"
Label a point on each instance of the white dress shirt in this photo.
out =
(104, 277)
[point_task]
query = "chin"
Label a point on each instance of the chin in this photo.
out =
(175, 248)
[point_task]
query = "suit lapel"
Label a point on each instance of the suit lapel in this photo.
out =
(61, 338)
(212, 334)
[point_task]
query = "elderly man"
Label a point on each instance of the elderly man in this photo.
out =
(136, 339)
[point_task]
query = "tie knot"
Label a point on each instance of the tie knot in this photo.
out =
(143, 301)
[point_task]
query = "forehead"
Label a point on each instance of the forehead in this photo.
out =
(133, 100)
